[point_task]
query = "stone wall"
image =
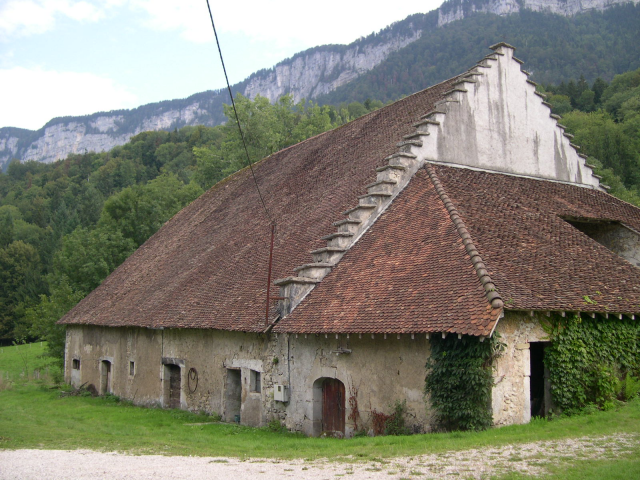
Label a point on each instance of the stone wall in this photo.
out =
(212, 355)
(381, 370)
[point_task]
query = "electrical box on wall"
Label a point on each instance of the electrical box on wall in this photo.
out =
(281, 393)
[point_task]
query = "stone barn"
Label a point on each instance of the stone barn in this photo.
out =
(463, 209)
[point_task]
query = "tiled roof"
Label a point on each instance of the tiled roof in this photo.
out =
(207, 267)
(447, 254)
(410, 273)
(536, 259)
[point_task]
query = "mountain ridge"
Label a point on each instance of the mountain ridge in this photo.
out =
(313, 73)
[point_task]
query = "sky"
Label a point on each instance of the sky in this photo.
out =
(76, 57)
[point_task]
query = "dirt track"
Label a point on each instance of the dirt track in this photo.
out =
(525, 458)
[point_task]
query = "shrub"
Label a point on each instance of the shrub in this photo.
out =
(459, 381)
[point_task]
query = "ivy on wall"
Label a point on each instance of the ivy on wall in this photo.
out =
(590, 360)
(459, 381)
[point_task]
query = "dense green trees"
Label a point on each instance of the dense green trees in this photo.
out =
(606, 126)
(65, 226)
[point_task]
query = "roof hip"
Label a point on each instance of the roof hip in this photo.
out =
(491, 292)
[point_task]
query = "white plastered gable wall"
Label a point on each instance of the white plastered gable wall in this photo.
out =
(494, 120)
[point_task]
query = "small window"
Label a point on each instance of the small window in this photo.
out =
(613, 235)
(255, 381)
(132, 368)
(76, 364)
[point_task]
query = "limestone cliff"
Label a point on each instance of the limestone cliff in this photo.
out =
(458, 9)
(313, 73)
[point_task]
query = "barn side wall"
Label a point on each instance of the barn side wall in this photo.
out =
(375, 372)
(234, 374)
(209, 362)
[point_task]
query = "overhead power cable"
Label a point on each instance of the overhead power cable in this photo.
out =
(233, 103)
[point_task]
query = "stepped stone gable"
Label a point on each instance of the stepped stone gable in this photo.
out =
(462, 209)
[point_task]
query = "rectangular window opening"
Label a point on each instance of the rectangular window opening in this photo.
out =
(255, 385)
(613, 235)
(132, 368)
(76, 364)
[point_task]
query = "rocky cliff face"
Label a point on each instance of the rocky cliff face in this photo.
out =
(306, 75)
(313, 74)
(97, 133)
(458, 9)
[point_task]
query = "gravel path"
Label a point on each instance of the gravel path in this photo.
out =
(476, 463)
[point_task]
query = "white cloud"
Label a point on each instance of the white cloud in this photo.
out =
(28, 17)
(281, 21)
(32, 97)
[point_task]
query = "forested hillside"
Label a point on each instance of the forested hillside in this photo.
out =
(554, 48)
(65, 226)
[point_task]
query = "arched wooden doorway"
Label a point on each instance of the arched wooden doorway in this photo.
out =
(333, 406)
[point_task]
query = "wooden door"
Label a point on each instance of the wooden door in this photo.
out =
(174, 386)
(333, 401)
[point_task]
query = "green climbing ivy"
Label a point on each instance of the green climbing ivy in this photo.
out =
(459, 381)
(591, 360)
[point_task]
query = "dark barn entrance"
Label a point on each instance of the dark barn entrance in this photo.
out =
(540, 393)
(333, 406)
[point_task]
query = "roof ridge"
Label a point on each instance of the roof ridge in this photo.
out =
(490, 289)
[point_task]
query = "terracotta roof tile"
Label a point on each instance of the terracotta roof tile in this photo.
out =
(410, 273)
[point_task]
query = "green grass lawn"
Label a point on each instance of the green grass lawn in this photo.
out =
(23, 363)
(34, 415)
